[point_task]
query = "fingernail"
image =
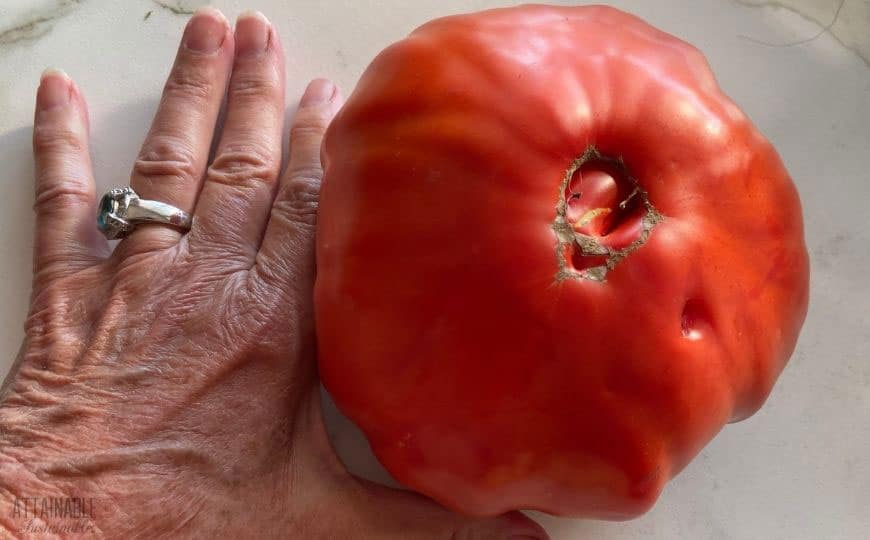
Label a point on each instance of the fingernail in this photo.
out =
(252, 33)
(318, 91)
(54, 89)
(206, 30)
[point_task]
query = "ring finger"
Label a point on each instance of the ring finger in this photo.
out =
(173, 158)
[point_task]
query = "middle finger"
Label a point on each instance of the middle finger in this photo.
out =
(174, 155)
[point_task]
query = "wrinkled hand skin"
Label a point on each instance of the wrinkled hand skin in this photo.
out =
(173, 380)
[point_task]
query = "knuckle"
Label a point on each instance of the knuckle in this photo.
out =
(50, 327)
(255, 84)
(61, 195)
(57, 140)
(244, 164)
(187, 82)
(51, 263)
(299, 200)
(307, 173)
(309, 125)
(165, 157)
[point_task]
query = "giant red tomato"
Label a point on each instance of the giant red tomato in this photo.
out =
(554, 259)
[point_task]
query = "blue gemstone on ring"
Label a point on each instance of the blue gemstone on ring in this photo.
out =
(106, 207)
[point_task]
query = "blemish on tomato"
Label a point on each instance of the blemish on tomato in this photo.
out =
(694, 318)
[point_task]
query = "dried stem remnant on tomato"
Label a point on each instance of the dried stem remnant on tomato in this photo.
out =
(585, 254)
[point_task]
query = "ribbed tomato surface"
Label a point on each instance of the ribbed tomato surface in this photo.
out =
(554, 259)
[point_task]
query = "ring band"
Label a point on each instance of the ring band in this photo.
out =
(121, 210)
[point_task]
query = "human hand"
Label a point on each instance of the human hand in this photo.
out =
(173, 380)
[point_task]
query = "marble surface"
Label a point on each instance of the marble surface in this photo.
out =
(799, 469)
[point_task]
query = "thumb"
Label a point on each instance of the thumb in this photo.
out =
(396, 513)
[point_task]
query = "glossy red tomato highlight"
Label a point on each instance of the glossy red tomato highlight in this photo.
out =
(554, 259)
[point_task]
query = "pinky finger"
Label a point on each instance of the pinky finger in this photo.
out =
(66, 237)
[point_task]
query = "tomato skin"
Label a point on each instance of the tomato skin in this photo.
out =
(482, 376)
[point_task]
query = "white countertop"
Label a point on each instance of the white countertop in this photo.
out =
(799, 469)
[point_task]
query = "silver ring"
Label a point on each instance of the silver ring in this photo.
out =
(121, 210)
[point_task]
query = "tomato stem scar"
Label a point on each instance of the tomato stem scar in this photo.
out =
(573, 245)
